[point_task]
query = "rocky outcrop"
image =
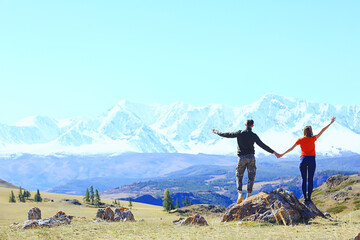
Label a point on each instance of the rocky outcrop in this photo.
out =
(193, 220)
(123, 214)
(279, 206)
(357, 237)
(58, 219)
(34, 214)
(203, 209)
(105, 214)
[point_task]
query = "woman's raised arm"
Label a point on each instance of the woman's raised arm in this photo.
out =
(323, 130)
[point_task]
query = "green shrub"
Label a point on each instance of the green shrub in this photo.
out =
(337, 209)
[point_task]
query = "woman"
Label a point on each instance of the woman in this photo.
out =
(307, 158)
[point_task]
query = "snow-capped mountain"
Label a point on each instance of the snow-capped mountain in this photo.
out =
(184, 128)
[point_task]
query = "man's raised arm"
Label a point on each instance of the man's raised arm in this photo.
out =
(227, 134)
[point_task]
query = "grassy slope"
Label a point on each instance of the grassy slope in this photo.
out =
(329, 198)
(157, 224)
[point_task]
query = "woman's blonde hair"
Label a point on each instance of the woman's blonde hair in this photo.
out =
(308, 131)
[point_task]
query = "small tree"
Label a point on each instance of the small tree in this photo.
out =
(92, 195)
(97, 198)
(26, 194)
(191, 202)
(12, 197)
(37, 197)
(186, 202)
(177, 203)
(87, 196)
(167, 201)
(130, 202)
(21, 195)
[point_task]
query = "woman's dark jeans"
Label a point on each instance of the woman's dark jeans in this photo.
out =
(307, 169)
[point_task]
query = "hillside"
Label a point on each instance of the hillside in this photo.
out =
(157, 224)
(6, 184)
(339, 194)
(213, 184)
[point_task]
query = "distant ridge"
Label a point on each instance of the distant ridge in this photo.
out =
(6, 184)
(183, 128)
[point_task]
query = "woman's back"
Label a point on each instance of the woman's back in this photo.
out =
(307, 145)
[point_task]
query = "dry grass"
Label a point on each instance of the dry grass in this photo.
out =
(158, 225)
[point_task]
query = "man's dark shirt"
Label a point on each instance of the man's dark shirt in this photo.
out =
(246, 139)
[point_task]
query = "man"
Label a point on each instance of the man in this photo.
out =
(246, 152)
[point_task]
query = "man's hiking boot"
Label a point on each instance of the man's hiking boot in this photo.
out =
(240, 199)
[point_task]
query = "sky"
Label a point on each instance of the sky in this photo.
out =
(79, 58)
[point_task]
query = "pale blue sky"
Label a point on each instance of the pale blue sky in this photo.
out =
(78, 58)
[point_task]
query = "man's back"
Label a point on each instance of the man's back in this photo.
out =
(246, 139)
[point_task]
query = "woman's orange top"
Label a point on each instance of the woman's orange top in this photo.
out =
(307, 145)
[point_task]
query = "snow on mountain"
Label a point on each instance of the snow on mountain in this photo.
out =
(180, 127)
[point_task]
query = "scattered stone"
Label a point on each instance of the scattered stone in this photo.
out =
(239, 223)
(141, 220)
(14, 224)
(336, 180)
(327, 215)
(34, 214)
(203, 209)
(105, 214)
(75, 202)
(30, 224)
(357, 237)
(280, 206)
(123, 214)
(193, 220)
(58, 219)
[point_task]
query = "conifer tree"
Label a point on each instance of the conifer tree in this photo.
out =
(130, 202)
(177, 203)
(37, 197)
(191, 202)
(186, 202)
(167, 201)
(26, 194)
(92, 195)
(12, 197)
(97, 198)
(21, 195)
(87, 196)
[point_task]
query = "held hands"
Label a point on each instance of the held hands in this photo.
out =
(278, 155)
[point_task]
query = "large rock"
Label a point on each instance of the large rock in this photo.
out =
(34, 214)
(357, 237)
(279, 206)
(58, 219)
(123, 214)
(193, 220)
(105, 213)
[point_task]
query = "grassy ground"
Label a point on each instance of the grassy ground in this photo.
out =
(158, 225)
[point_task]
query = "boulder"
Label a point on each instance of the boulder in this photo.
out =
(58, 219)
(123, 214)
(105, 213)
(30, 224)
(193, 220)
(34, 214)
(279, 206)
(357, 237)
